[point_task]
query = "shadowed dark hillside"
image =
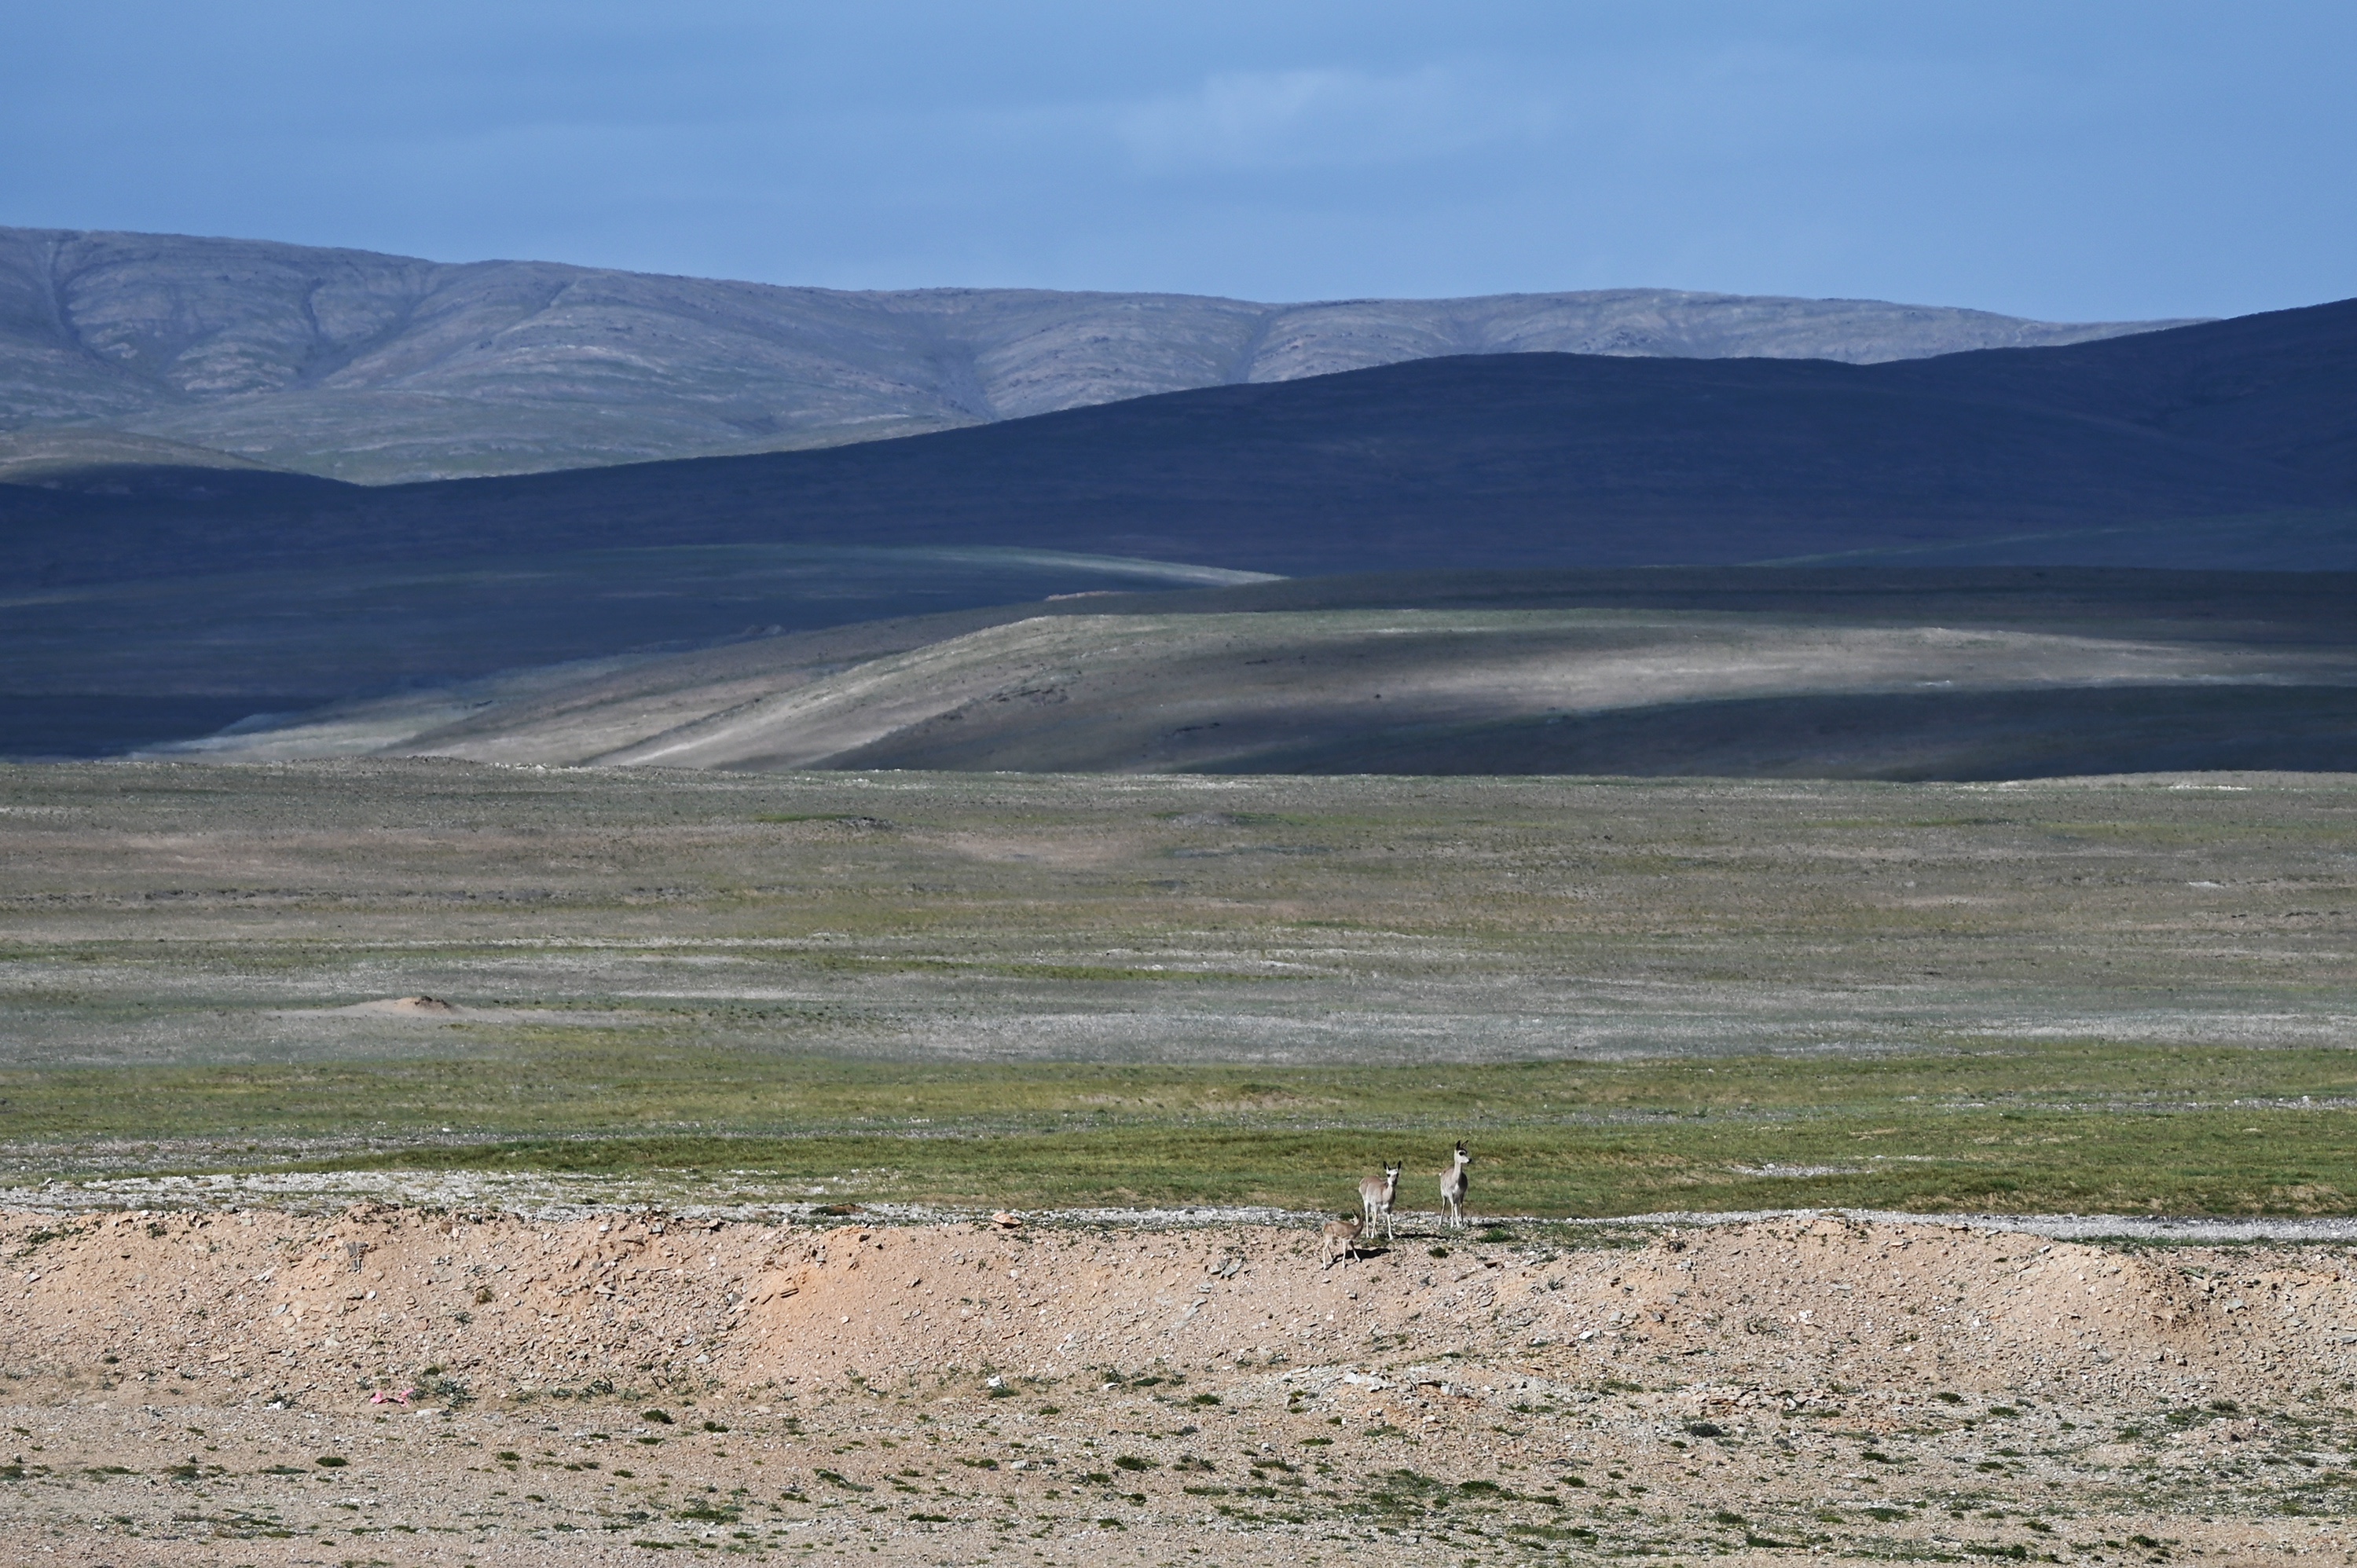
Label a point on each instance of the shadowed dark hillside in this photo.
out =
(2280, 387)
(1496, 460)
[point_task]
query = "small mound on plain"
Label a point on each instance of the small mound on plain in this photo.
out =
(432, 1009)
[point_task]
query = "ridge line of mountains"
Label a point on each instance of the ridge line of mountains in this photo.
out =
(142, 349)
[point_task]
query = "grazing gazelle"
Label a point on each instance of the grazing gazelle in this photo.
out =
(1375, 1199)
(1454, 1185)
(1341, 1238)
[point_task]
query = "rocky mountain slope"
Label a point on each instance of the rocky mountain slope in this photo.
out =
(377, 368)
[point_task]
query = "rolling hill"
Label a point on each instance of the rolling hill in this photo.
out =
(1828, 673)
(381, 368)
(95, 668)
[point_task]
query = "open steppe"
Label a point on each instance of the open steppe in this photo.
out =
(751, 1004)
(716, 1078)
(2122, 994)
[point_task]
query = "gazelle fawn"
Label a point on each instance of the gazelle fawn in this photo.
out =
(1342, 1239)
(1375, 1199)
(1454, 1185)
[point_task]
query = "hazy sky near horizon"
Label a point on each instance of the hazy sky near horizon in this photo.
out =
(2068, 159)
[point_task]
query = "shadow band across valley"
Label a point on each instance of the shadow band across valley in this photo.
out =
(49, 726)
(1899, 735)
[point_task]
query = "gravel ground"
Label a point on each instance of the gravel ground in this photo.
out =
(227, 1385)
(559, 1196)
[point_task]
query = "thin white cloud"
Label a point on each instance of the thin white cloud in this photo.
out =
(1328, 118)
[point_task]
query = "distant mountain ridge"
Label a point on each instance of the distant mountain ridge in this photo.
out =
(377, 369)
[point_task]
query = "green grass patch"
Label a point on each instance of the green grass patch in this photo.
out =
(583, 1083)
(2180, 1163)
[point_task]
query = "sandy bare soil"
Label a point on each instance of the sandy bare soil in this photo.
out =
(227, 1387)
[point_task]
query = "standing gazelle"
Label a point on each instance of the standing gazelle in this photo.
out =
(1341, 1238)
(1375, 1199)
(1454, 1185)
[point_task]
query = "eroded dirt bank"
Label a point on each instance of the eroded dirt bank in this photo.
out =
(227, 1386)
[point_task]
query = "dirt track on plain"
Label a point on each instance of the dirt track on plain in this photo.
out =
(181, 1387)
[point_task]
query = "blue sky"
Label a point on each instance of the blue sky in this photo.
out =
(2066, 160)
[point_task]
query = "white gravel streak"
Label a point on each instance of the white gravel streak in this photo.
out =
(560, 1197)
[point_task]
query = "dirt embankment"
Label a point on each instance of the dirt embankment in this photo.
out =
(229, 1305)
(443, 1388)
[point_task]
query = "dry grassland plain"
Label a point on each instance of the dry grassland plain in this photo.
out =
(1635, 995)
(728, 1072)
